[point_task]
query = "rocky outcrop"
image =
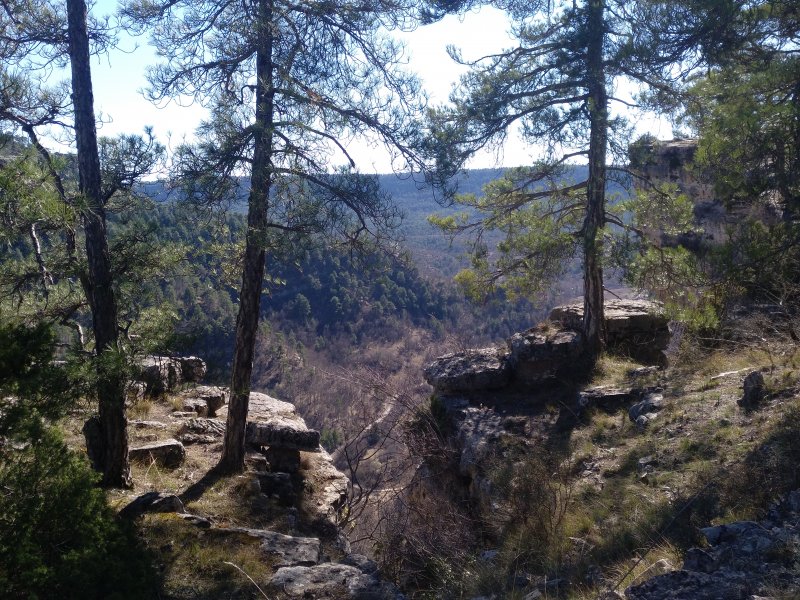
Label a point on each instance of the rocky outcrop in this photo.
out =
(283, 432)
(744, 560)
(541, 352)
(162, 374)
(274, 425)
(477, 369)
(637, 328)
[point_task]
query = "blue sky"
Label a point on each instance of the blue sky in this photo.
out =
(120, 76)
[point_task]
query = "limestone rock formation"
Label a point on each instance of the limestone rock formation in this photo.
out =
(539, 353)
(282, 432)
(162, 374)
(282, 550)
(477, 369)
(637, 328)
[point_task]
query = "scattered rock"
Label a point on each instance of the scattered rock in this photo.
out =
(152, 502)
(745, 559)
(641, 372)
(193, 405)
(471, 370)
(605, 397)
(539, 353)
(647, 407)
(332, 580)
(182, 414)
(205, 400)
(168, 453)
(196, 520)
(754, 390)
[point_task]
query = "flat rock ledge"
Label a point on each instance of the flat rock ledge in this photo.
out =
(286, 550)
(283, 432)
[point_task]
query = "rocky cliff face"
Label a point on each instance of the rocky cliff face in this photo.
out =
(495, 398)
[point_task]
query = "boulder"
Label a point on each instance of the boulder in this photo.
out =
(152, 502)
(651, 404)
(160, 374)
(754, 390)
(637, 328)
(168, 453)
(193, 369)
(283, 432)
(213, 396)
(471, 370)
(540, 353)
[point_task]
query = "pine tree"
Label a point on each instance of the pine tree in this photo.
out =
(556, 87)
(288, 85)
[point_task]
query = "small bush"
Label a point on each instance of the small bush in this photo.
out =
(58, 537)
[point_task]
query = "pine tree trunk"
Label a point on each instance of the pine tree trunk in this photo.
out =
(233, 450)
(593, 321)
(111, 384)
